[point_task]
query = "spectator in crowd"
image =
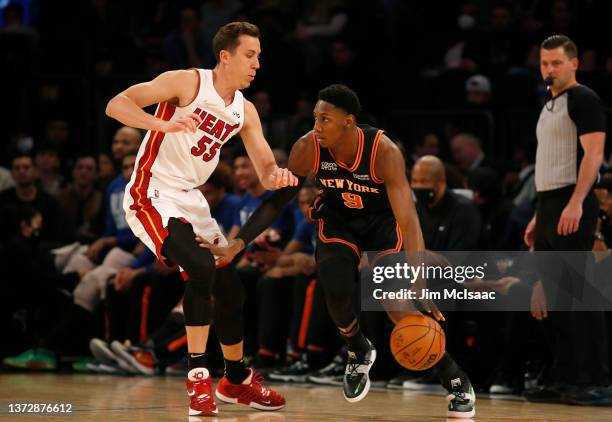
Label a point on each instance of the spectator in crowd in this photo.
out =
(82, 202)
(126, 140)
(274, 129)
(26, 193)
(186, 47)
(6, 181)
(467, 153)
(223, 204)
(48, 164)
(106, 171)
(493, 207)
(478, 92)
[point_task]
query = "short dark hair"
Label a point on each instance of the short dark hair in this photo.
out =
(556, 41)
(227, 36)
(342, 97)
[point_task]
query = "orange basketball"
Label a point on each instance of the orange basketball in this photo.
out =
(417, 342)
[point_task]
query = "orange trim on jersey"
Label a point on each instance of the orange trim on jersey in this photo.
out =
(145, 211)
(317, 157)
(360, 138)
(336, 239)
(398, 246)
(306, 313)
(144, 314)
(373, 157)
(175, 344)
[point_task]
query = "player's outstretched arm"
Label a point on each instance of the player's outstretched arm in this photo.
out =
(391, 168)
(272, 177)
(177, 87)
(301, 160)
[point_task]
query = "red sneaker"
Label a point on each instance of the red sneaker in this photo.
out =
(199, 389)
(250, 392)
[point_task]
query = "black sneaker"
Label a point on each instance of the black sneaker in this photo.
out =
(332, 374)
(543, 394)
(461, 399)
(594, 396)
(296, 372)
(356, 382)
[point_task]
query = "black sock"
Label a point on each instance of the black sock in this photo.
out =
(357, 343)
(448, 370)
(236, 371)
(196, 360)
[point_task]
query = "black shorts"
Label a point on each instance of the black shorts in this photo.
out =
(379, 234)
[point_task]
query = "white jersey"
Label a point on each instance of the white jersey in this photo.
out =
(169, 166)
(185, 160)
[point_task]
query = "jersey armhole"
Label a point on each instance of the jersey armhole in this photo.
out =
(373, 157)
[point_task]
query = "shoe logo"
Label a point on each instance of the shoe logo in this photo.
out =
(265, 402)
(190, 393)
(456, 382)
(199, 375)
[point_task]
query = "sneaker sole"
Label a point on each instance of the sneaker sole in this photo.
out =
(367, 386)
(194, 412)
(461, 415)
(100, 350)
(118, 349)
(251, 404)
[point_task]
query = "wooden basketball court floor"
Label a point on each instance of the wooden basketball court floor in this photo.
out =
(113, 398)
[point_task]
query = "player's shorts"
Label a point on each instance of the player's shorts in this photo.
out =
(377, 233)
(148, 216)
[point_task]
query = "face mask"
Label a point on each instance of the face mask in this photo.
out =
(424, 195)
(465, 22)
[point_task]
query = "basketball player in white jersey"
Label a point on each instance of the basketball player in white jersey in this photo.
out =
(198, 112)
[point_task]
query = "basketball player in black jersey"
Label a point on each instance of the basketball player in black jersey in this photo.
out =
(366, 205)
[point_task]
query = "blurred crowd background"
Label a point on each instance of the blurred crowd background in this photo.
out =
(459, 80)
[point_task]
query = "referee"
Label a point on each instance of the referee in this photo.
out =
(571, 136)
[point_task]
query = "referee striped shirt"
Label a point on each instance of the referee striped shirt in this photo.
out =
(563, 119)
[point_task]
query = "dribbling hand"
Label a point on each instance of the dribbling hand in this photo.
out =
(428, 305)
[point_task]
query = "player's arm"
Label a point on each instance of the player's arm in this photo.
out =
(391, 168)
(301, 162)
(272, 177)
(176, 87)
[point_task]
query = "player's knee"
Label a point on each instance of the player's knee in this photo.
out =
(337, 276)
(180, 246)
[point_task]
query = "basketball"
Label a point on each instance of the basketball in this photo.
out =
(417, 342)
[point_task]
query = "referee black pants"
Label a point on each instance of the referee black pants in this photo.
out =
(579, 337)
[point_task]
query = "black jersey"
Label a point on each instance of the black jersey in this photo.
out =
(355, 191)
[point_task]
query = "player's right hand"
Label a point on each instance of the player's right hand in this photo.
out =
(188, 123)
(428, 305)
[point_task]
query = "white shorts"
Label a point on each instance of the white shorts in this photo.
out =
(148, 217)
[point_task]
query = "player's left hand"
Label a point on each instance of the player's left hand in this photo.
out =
(570, 218)
(224, 254)
(281, 178)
